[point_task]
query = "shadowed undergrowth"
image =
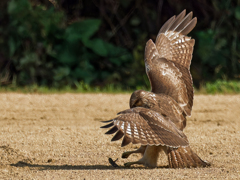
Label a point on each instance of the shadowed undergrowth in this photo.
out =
(218, 87)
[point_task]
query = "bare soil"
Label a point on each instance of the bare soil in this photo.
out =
(58, 137)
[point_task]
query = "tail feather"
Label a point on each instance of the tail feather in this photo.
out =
(184, 157)
(179, 159)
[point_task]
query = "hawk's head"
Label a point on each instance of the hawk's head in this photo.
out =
(141, 98)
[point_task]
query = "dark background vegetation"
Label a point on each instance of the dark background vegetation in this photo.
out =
(57, 43)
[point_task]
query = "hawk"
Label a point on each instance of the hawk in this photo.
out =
(156, 119)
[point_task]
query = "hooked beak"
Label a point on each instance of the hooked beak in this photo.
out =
(135, 102)
(132, 102)
(136, 99)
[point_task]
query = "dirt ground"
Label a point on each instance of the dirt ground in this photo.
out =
(58, 137)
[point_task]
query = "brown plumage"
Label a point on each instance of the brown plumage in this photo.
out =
(168, 61)
(161, 103)
(156, 119)
(183, 157)
(145, 126)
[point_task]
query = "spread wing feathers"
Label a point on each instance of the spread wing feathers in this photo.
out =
(151, 54)
(164, 76)
(147, 127)
(187, 78)
(172, 42)
(169, 108)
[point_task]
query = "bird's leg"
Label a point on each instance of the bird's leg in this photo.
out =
(139, 150)
(149, 158)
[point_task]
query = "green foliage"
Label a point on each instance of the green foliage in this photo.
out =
(81, 87)
(218, 87)
(218, 45)
(224, 87)
(45, 50)
(92, 46)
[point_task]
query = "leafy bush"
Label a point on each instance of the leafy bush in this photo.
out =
(91, 44)
(218, 45)
(47, 51)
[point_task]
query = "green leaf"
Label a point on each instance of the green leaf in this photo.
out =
(98, 46)
(17, 6)
(29, 60)
(87, 75)
(61, 72)
(82, 30)
(206, 42)
(237, 13)
(67, 57)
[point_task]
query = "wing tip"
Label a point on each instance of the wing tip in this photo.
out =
(181, 18)
(112, 130)
(118, 135)
(150, 41)
(107, 121)
(150, 49)
(108, 125)
(126, 140)
(195, 21)
(183, 12)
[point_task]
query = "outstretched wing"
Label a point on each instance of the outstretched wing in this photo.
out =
(172, 42)
(165, 77)
(169, 108)
(187, 78)
(141, 125)
(176, 49)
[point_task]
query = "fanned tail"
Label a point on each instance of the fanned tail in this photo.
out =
(184, 157)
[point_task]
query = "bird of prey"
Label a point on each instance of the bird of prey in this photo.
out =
(156, 119)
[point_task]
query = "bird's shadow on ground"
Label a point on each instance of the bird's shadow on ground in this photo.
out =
(73, 167)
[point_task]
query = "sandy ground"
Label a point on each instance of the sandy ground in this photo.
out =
(58, 137)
